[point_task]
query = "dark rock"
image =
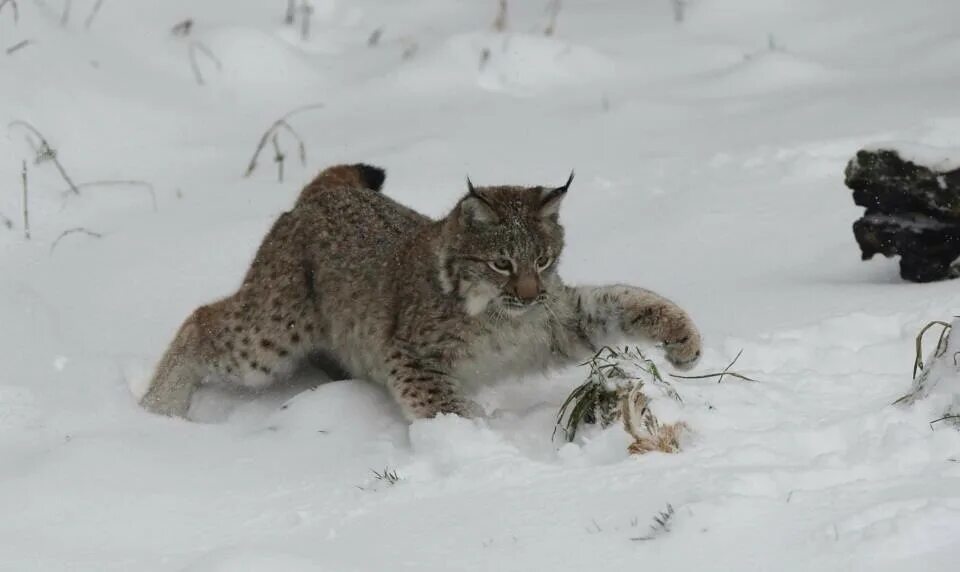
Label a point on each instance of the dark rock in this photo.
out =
(912, 211)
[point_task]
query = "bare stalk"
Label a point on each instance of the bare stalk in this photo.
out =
(500, 22)
(275, 127)
(306, 12)
(410, 48)
(182, 29)
(45, 152)
(18, 46)
(553, 12)
(26, 207)
(65, 15)
(278, 157)
(194, 65)
(146, 186)
(93, 14)
(719, 375)
(14, 6)
(940, 348)
(484, 58)
(679, 10)
(76, 230)
(288, 17)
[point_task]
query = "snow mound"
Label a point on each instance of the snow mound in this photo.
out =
(251, 560)
(766, 72)
(941, 159)
(514, 64)
(255, 60)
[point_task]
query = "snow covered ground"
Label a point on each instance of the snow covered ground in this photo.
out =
(709, 156)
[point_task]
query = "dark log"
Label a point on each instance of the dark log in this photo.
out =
(912, 211)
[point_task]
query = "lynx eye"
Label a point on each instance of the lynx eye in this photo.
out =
(544, 262)
(501, 265)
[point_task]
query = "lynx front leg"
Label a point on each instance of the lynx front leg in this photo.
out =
(605, 311)
(425, 390)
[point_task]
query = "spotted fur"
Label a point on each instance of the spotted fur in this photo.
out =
(422, 306)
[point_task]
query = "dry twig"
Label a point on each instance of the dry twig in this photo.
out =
(76, 230)
(949, 417)
(278, 157)
(182, 29)
(65, 15)
(410, 48)
(306, 12)
(14, 6)
(44, 151)
(26, 203)
(93, 14)
(500, 22)
(275, 127)
(195, 66)
(553, 12)
(18, 46)
(146, 186)
(718, 375)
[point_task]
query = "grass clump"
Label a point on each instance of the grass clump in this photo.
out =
(614, 391)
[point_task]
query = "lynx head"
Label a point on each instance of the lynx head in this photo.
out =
(500, 247)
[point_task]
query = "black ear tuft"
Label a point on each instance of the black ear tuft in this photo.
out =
(371, 177)
(550, 199)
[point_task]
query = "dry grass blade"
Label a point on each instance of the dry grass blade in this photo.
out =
(14, 6)
(387, 476)
(182, 29)
(196, 47)
(146, 186)
(44, 151)
(950, 417)
(720, 374)
(93, 14)
(500, 22)
(553, 12)
(281, 123)
(18, 46)
(26, 200)
(77, 230)
(941, 347)
(661, 524)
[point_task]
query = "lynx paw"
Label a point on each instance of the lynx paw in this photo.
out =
(684, 350)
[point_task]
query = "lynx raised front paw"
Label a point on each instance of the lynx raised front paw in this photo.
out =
(684, 351)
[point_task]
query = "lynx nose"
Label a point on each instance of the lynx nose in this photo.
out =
(527, 288)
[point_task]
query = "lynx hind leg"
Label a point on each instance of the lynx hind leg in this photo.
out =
(180, 372)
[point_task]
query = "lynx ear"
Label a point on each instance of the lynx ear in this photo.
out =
(550, 199)
(475, 207)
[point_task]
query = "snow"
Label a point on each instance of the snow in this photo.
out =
(709, 168)
(938, 159)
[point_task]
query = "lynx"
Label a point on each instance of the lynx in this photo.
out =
(425, 307)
